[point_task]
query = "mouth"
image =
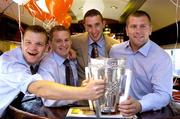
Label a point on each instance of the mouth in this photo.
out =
(63, 48)
(32, 54)
(138, 37)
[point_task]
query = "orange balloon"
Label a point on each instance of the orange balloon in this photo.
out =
(36, 11)
(65, 20)
(60, 18)
(66, 24)
(57, 7)
(68, 18)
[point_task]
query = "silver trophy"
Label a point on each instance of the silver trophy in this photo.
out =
(114, 73)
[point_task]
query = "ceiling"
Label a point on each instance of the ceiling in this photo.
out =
(163, 12)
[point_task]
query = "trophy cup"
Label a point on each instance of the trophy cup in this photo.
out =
(117, 86)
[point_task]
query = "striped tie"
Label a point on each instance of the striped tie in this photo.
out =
(94, 52)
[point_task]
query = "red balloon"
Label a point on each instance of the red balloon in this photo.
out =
(57, 7)
(36, 11)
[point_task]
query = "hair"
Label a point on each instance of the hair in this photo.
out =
(57, 28)
(37, 29)
(92, 12)
(139, 13)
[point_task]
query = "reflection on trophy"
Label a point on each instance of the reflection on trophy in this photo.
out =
(117, 80)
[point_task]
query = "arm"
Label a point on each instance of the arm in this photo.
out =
(162, 83)
(160, 95)
(52, 90)
(72, 54)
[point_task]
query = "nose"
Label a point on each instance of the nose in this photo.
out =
(138, 29)
(33, 46)
(63, 43)
(93, 30)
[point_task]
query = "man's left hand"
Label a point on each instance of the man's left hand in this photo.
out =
(129, 107)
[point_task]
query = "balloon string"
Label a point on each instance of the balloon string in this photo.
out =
(19, 18)
(34, 20)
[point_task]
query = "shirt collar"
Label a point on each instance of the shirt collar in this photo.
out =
(58, 58)
(143, 50)
(99, 42)
(20, 56)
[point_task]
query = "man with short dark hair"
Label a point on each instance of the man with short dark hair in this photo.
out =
(151, 66)
(85, 43)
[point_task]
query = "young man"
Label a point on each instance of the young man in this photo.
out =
(54, 68)
(151, 67)
(16, 77)
(83, 43)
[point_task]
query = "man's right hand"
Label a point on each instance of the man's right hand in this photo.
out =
(94, 89)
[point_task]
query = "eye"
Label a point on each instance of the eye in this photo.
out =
(58, 41)
(67, 40)
(133, 26)
(97, 25)
(27, 42)
(40, 44)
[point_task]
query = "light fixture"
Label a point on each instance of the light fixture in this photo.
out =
(107, 30)
(114, 7)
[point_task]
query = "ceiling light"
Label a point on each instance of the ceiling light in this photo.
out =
(114, 7)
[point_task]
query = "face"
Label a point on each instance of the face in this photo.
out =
(61, 43)
(94, 26)
(34, 46)
(138, 30)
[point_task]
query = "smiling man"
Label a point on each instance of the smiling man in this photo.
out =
(54, 66)
(16, 76)
(151, 66)
(84, 43)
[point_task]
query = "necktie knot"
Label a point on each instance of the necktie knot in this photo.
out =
(94, 44)
(66, 62)
(34, 69)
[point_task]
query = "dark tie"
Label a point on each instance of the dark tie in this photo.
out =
(34, 69)
(94, 52)
(69, 73)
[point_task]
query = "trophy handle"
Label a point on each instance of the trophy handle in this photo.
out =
(128, 74)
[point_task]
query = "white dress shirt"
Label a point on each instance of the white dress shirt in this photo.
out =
(53, 69)
(15, 76)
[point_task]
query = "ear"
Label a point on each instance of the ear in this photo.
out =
(47, 48)
(126, 31)
(150, 32)
(104, 23)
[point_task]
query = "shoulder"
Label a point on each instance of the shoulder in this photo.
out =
(48, 60)
(117, 49)
(12, 61)
(14, 55)
(156, 50)
(111, 40)
(118, 46)
(78, 36)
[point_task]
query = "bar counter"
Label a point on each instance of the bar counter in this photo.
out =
(60, 113)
